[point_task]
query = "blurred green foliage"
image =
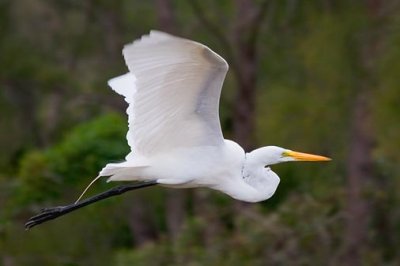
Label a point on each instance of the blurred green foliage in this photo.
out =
(60, 125)
(79, 156)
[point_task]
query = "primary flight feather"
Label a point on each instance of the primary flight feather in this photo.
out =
(172, 89)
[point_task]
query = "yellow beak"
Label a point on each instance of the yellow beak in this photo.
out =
(300, 156)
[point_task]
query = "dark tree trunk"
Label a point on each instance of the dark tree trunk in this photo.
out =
(175, 206)
(208, 215)
(360, 162)
(111, 25)
(246, 75)
(140, 222)
(165, 16)
(52, 115)
(25, 101)
(359, 170)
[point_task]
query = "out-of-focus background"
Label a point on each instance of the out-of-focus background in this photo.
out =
(318, 76)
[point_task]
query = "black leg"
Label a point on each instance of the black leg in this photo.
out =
(54, 212)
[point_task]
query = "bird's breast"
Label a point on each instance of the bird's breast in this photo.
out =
(206, 166)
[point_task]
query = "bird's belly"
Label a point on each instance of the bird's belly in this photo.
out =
(195, 167)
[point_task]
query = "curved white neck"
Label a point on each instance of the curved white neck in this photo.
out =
(257, 183)
(260, 177)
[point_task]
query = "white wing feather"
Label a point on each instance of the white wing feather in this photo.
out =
(125, 86)
(173, 91)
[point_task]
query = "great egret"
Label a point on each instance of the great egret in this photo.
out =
(173, 88)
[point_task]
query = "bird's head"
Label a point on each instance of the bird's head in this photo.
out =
(270, 155)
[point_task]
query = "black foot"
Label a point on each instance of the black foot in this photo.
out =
(52, 213)
(45, 215)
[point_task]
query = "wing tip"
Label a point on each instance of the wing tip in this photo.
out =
(153, 36)
(194, 50)
(123, 85)
(215, 58)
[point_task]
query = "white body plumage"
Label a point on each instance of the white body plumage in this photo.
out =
(173, 91)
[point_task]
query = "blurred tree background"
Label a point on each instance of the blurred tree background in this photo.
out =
(319, 76)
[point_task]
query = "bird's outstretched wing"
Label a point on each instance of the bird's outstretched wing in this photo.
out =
(173, 91)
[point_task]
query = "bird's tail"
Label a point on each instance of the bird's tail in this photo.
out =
(125, 171)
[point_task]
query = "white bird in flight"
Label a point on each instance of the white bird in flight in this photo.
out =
(173, 88)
